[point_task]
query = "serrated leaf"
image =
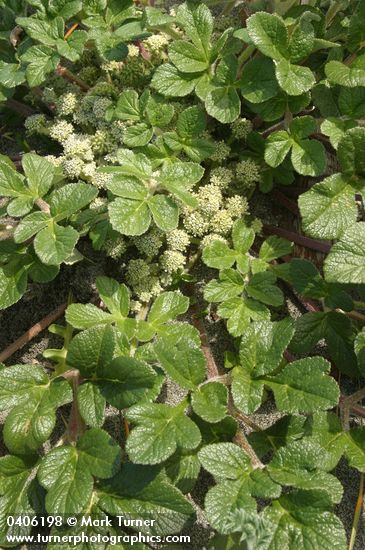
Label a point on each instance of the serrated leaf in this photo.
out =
(277, 146)
(30, 225)
(293, 79)
(70, 198)
(281, 433)
(274, 247)
(303, 518)
(91, 404)
(91, 349)
(138, 135)
(165, 212)
(54, 243)
(328, 208)
(67, 472)
(351, 151)
(114, 295)
(345, 261)
(217, 254)
(140, 492)
(161, 429)
(210, 401)
(167, 307)
(187, 58)
(197, 22)
(223, 103)
(12, 286)
(168, 81)
(182, 359)
(308, 157)
(258, 82)
(125, 381)
(129, 217)
(344, 75)
(229, 285)
(82, 316)
(269, 34)
(239, 311)
(223, 499)
(224, 460)
(39, 173)
(262, 287)
(304, 386)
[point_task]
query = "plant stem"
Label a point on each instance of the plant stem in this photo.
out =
(42, 205)
(33, 332)
(20, 108)
(68, 75)
(358, 509)
(242, 441)
(76, 425)
(298, 239)
(274, 128)
(70, 30)
(285, 201)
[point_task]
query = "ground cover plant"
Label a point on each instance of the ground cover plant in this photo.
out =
(162, 138)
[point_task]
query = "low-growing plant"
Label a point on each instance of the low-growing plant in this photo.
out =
(161, 135)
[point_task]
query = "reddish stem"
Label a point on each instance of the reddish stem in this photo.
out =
(33, 332)
(298, 239)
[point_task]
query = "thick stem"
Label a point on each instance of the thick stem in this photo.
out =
(272, 129)
(42, 205)
(76, 425)
(298, 239)
(33, 332)
(71, 30)
(20, 108)
(242, 441)
(285, 201)
(68, 75)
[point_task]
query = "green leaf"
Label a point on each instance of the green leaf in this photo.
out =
(301, 464)
(281, 433)
(306, 279)
(129, 217)
(304, 386)
(344, 75)
(239, 311)
(39, 173)
(242, 236)
(167, 307)
(91, 349)
(42, 61)
(128, 187)
(336, 128)
(137, 135)
(351, 102)
(224, 460)
(303, 519)
(161, 429)
(274, 247)
(229, 285)
(187, 57)
(125, 381)
(351, 151)
(11, 183)
(191, 122)
(328, 208)
(336, 329)
(168, 81)
(128, 107)
(142, 492)
(277, 146)
(269, 34)
(293, 79)
(30, 423)
(30, 225)
(70, 198)
(197, 22)
(54, 244)
(262, 287)
(114, 295)
(91, 404)
(258, 82)
(217, 254)
(182, 359)
(82, 316)
(223, 103)
(159, 113)
(263, 344)
(210, 401)
(165, 212)
(67, 472)
(345, 261)
(356, 30)
(12, 286)
(18, 489)
(224, 499)
(309, 157)
(11, 74)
